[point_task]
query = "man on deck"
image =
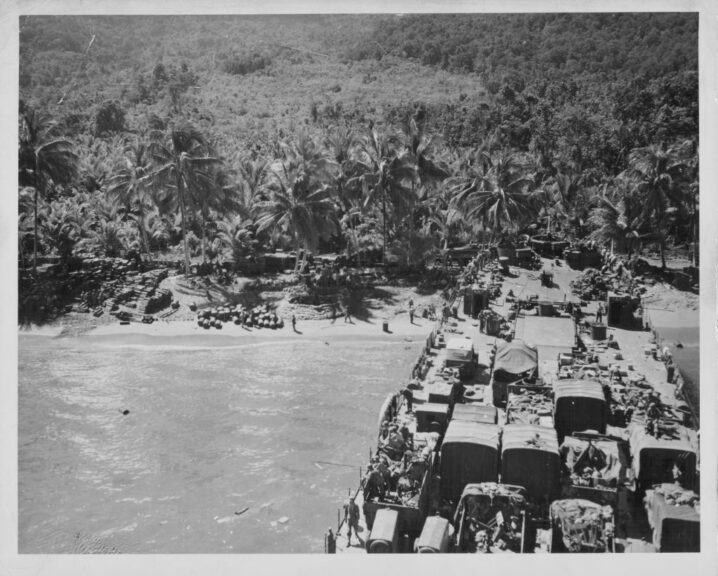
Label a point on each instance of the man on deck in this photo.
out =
(351, 517)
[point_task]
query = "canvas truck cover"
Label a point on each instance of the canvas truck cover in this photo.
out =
(530, 458)
(515, 358)
(459, 350)
(674, 515)
(434, 536)
(574, 455)
(469, 454)
(480, 413)
(653, 458)
(581, 523)
(579, 405)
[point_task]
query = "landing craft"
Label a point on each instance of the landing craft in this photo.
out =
(494, 447)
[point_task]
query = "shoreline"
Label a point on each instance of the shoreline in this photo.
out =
(306, 330)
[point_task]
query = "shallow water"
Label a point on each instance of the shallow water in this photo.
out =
(686, 357)
(211, 431)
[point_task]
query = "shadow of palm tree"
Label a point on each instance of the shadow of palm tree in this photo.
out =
(364, 303)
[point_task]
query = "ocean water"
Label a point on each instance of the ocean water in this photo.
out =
(687, 357)
(215, 427)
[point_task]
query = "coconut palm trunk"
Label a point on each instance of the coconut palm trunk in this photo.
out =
(383, 214)
(34, 235)
(184, 225)
(143, 231)
(204, 236)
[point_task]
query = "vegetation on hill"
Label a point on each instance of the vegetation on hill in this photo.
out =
(222, 136)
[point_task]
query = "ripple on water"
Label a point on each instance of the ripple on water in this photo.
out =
(210, 432)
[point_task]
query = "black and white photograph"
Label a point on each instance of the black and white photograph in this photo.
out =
(338, 282)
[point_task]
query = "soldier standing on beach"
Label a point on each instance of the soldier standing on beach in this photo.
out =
(599, 313)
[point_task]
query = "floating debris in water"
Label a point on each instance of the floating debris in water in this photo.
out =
(283, 520)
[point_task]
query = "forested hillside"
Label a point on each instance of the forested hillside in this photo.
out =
(405, 133)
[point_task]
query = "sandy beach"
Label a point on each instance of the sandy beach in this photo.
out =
(306, 329)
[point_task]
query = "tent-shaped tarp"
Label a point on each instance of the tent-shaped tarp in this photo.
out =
(514, 360)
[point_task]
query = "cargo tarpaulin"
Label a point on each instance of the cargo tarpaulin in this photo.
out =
(526, 406)
(583, 525)
(579, 405)
(530, 458)
(476, 413)
(515, 358)
(605, 460)
(469, 453)
(674, 515)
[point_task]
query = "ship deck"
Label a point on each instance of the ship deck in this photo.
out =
(551, 336)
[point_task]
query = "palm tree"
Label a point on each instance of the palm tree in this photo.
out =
(183, 164)
(129, 185)
(252, 177)
(236, 235)
(656, 170)
(42, 159)
(62, 227)
(300, 200)
(157, 230)
(617, 220)
(443, 218)
(386, 169)
(496, 195)
(217, 193)
(424, 149)
(340, 143)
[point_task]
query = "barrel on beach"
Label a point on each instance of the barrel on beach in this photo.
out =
(385, 326)
(598, 331)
